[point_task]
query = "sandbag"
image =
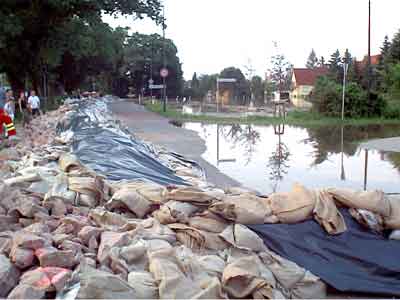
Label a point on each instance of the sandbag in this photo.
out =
(327, 214)
(153, 192)
(130, 199)
(92, 187)
(392, 221)
(368, 219)
(191, 194)
(144, 284)
(69, 162)
(244, 209)
(60, 190)
(188, 236)
(294, 281)
(175, 212)
(241, 237)
(243, 279)
(176, 283)
(371, 200)
(208, 221)
(295, 206)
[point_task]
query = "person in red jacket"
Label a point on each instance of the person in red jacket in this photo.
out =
(7, 124)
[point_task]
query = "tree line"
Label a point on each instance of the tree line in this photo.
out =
(67, 45)
(384, 84)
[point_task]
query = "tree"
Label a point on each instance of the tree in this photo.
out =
(312, 61)
(335, 66)
(257, 87)
(321, 62)
(207, 83)
(394, 52)
(327, 99)
(30, 37)
(195, 86)
(279, 70)
(241, 89)
(143, 59)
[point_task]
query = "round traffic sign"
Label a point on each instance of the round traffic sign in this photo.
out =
(151, 81)
(164, 72)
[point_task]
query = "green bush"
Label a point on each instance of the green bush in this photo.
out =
(327, 100)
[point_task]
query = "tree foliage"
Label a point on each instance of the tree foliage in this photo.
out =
(143, 60)
(280, 71)
(312, 61)
(327, 99)
(39, 35)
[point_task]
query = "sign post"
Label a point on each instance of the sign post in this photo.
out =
(164, 74)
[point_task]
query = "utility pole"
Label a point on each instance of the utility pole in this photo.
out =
(369, 52)
(164, 65)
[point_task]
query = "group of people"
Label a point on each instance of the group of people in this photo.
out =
(28, 107)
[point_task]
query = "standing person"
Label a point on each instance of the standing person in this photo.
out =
(23, 108)
(9, 107)
(34, 103)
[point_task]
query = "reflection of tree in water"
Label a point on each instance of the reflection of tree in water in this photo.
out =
(278, 161)
(326, 140)
(245, 136)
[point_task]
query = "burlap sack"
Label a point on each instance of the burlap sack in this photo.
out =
(373, 201)
(69, 162)
(191, 194)
(244, 209)
(392, 221)
(188, 236)
(92, 187)
(294, 281)
(293, 207)
(327, 214)
(144, 285)
(243, 279)
(129, 199)
(177, 280)
(368, 219)
(175, 212)
(208, 221)
(241, 237)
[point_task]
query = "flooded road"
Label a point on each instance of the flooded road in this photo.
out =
(273, 158)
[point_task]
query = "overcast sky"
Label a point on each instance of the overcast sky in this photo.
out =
(214, 34)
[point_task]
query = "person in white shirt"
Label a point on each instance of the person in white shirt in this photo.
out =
(34, 103)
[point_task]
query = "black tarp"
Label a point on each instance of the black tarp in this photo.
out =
(355, 261)
(104, 146)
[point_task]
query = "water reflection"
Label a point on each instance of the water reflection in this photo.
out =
(273, 158)
(278, 163)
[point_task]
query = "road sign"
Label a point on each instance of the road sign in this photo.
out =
(156, 86)
(151, 81)
(164, 72)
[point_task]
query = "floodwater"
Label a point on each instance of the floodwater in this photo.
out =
(273, 158)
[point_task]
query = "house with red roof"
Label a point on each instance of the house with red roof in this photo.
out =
(303, 83)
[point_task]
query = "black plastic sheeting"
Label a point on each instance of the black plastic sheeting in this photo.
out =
(357, 261)
(104, 146)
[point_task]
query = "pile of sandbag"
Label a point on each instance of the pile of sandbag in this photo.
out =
(67, 232)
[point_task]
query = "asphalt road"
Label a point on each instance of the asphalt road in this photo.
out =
(156, 129)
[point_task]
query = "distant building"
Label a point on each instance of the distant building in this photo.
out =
(362, 65)
(303, 83)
